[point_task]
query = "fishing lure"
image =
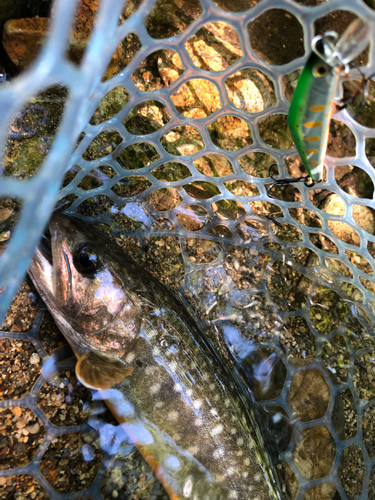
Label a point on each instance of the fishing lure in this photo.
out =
(313, 103)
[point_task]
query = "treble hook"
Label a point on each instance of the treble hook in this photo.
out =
(286, 181)
(362, 88)
(272, 218)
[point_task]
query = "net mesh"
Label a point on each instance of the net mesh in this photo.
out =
(178, 167)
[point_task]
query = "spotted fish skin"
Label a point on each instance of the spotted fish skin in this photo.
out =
(185, 412)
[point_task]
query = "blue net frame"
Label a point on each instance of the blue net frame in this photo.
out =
(86, 90)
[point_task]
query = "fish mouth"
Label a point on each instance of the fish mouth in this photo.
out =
(50, 269)
(41, 268)
(45, 247)
(57, 224)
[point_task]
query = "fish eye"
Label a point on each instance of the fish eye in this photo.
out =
(320, 69)
(86, 260)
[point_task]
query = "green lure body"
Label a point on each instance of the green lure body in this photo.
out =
(312, 105)
(311, 111)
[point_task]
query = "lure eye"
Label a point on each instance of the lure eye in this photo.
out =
(86, 260)
(320, 70)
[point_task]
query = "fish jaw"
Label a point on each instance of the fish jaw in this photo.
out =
(41, 273)
(50, 269)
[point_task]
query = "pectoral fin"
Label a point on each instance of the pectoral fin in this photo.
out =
(100, 371)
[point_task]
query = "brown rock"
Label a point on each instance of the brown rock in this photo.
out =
(170, 66)
(364, 217)
(315, 455)
(197, 99)
(308, 395)
(324, 491)
(33, 429)
(21, 423)
(17, 411)
(14, 9)
(5, 481)
(22, 39)
(16, 328)
(5, 213)
(218, 46)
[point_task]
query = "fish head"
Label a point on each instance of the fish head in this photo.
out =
(85, 286)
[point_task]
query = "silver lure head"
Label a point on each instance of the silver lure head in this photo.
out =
(339, 52)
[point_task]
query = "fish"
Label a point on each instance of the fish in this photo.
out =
(139, 346)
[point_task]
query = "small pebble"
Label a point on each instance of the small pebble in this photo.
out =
(34, 358)
(33, 429)
(17, 411)
(5, 236)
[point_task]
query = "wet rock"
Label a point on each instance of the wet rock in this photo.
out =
(12, 9)
(197, 99)
(169, 18)
(326, 491)
(341, 140)
(315, 455)
(276, 37)
(34, 359)
(289, 479)
(308, 395)
(23, 38)
(218, 46)
(335, 205)
(170, 66)
(354, 181)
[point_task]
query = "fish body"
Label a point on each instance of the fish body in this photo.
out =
(312, 104)
(141, 349)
